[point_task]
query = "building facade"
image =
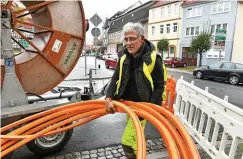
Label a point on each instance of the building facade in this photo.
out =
(134, 14)
(237, 55)
(164, 22)
(207, 16)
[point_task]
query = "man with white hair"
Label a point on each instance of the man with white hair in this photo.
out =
(139, 77)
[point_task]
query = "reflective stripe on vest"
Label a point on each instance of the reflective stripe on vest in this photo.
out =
(118, 83)
(165, 72)
(148, 69)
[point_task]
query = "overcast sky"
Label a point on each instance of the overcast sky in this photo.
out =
(104, 8)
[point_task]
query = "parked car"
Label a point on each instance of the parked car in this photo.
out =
(106, 56)
(174, 62)
(224, 71)
(111, 61)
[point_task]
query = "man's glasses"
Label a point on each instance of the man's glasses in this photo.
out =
(130, 39)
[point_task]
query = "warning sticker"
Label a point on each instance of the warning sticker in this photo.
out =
(57, 45)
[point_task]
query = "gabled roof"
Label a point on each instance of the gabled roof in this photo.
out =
(139, 14)
(159, 3)
(120, 13)
(116, 15)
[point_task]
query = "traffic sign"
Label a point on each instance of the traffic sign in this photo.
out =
(9, 62)
(221, 31)
(95, 32)
(220, 35)
(220, 38)
(95, 20)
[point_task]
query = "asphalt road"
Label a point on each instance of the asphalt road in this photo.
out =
(108, 130)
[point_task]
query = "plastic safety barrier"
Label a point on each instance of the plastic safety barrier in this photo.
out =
(214, 123)
(170, 94)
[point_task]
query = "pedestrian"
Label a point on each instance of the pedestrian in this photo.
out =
(139, 77)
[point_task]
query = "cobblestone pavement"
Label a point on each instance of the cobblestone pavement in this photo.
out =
(116, 152)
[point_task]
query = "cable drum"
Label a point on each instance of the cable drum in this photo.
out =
(58, 39)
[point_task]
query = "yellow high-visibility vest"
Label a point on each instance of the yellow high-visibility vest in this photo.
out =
(147, 70)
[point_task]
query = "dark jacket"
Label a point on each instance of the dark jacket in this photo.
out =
(134, 84)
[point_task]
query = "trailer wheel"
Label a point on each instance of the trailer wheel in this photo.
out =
(47, 145)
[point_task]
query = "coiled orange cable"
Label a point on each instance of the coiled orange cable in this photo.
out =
(61, 119)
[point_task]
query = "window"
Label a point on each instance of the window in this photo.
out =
(153, 13)
(167, 28)
(187, 31)
(226, 6)
(161, 29)
(197, 31)
(192, 31)
(162, 11)
(169, 10)
(176, 8)
(239, 66)
(218, 26)
(220, 7)
(175, 27)
(215, 65)
(172, 52)
(225, 26)
(189, 12)
(153, 30)
(194, 12)
(199, 11)
(215, 6)
(227, 65)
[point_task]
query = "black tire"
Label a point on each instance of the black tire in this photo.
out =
(41, 151)
(199, 74)
(234, 79)
(106, 65)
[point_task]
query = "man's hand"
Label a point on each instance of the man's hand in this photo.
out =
(110, 108)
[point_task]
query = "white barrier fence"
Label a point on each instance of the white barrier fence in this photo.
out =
(214, 123)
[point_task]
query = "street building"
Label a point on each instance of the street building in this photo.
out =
(164, 22)
(213, 17)
(136, 13)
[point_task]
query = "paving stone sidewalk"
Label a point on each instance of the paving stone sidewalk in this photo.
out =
(116, 152)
